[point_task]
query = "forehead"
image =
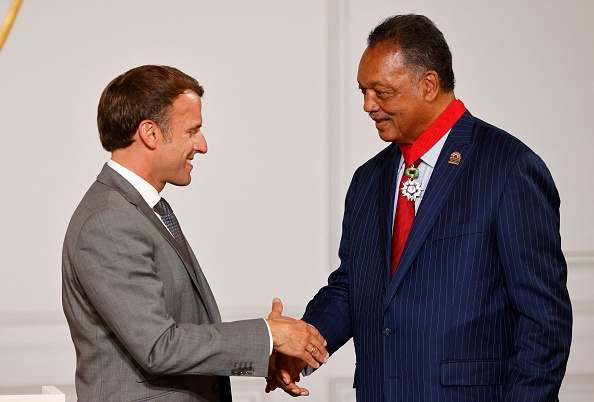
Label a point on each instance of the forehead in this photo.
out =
(187, 100)
(187, 106)
(380, 63)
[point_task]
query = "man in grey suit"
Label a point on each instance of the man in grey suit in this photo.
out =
(144, 322)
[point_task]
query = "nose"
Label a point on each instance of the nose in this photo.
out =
(369, 103)
(200, 145)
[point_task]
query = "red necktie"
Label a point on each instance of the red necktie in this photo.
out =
(405, 208)
(403, 220)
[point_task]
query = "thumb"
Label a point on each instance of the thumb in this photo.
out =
(277, 308)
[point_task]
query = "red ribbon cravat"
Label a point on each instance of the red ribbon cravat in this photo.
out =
(405, 208)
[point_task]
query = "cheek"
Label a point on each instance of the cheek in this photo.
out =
(392, 107)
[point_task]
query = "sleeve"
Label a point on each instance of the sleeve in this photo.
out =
(329, 310)
(536, 275)
(115, 266)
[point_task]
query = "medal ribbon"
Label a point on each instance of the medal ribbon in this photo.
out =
(433, 133)
(405, 207)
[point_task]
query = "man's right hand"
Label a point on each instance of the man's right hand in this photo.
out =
(296, 338)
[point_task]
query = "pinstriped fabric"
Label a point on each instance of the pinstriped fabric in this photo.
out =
(478, 309)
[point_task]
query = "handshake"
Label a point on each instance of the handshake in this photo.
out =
(295, 345)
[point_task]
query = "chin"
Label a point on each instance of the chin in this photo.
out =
(387, 137)
(394, 137)
(181, 183)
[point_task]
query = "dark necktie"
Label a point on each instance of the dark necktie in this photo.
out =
(168, 217)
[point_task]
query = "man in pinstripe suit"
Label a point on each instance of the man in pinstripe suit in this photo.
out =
(475, 306)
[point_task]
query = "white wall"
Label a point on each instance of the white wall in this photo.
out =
(285, 126)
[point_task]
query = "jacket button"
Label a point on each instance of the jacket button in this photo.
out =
(387, 331)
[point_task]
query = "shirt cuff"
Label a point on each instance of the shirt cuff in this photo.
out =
(307, 370)
(269, 337)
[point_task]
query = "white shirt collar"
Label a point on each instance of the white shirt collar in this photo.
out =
(147, 191)
(430, 157)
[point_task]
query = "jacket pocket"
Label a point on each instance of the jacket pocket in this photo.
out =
(454, 231)
(143, 376)
(457, 373)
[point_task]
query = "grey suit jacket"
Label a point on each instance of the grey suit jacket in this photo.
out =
(144, 322)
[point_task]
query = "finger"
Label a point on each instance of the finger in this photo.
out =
(298, 391)
(277, 308)
(291, 388)
(270, 385)
(320, 343)
(322, 355)
(286, 377)
(308, 356)
(319, 353)
(309, 359)
(317, 335)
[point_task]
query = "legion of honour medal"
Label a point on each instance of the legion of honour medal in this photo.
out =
(411, 188)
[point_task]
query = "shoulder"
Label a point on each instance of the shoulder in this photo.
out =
(505, 157)
(499, 146)
(499, 138)
(104, 207)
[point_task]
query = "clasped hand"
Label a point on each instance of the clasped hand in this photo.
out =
(295, 345)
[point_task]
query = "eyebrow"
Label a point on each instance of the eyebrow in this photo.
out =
(376, 84)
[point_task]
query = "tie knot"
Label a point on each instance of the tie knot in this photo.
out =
(163, 208)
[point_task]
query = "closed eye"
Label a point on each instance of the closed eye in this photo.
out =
(192, 132)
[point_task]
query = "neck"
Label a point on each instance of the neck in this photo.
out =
(436, 108)
(440, 125)
(135, 163)
(432, 110)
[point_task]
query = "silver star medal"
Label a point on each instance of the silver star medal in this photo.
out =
(411, 188)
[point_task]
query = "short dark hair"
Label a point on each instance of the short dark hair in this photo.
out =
(145, 92)
(423, 45)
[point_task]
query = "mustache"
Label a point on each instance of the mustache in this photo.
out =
(378, 116)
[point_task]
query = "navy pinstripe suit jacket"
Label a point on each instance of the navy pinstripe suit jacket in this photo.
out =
(478, 309)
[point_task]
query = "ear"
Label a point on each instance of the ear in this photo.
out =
(430, 85)
(147, 132)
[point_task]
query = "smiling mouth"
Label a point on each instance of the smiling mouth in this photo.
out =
(378, 116)
(380, 119)
(381, 123)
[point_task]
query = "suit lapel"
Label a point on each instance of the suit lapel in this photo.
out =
(205, 292)
(443, 180)
(150, 215)
(388, 182)
(111, 178)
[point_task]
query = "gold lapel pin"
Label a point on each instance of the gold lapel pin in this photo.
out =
(455, 158)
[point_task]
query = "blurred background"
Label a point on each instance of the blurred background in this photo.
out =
(285, 127)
